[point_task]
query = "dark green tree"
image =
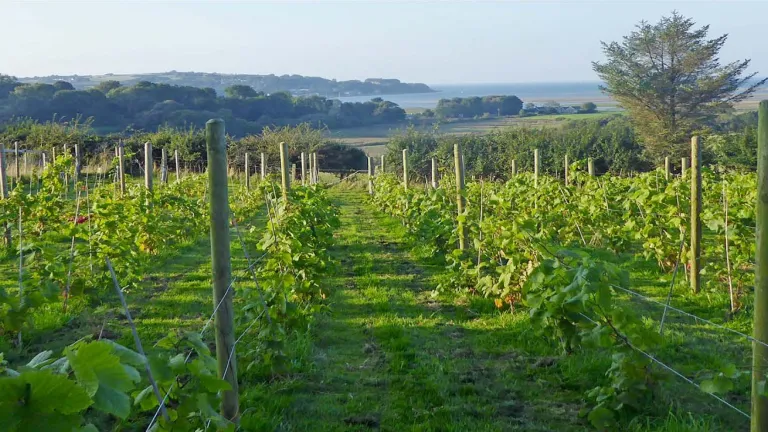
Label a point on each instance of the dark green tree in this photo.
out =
(669, 78)
(588, 107)
(240, 92)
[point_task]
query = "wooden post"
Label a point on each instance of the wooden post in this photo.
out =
(695, 213)
(382, 164)
(303, 168)
(459, 166)
(293, 172)
(78, 163)
(760, 325)
(591, 167)
(247, 173)
(684, 166)
(434, 173)
(286, 183)
(405, 169)
(514, 167)
(263, 166)
(370, 175)
(536, 165)
(26, 165)
(148, 165)
(565, 173)
(178, 167)
(667, 168)
(121, 168)
(4, 192)
(317, 168)
(311, 179)
(163, 166)
(221, 265)
(66, 175)
(18, 167)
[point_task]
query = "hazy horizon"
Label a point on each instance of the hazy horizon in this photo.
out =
(437, 43)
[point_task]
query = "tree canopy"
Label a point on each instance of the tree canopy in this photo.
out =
(477, 106)
(146, 105)
(669, 78)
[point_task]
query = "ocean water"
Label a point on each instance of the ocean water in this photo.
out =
(564, 93)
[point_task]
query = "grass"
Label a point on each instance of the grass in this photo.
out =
(372, 139)
(386, 354)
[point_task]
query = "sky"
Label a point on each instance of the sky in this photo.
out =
(435, 42)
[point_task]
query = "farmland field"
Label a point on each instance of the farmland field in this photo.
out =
(372, 139)
(356, 312)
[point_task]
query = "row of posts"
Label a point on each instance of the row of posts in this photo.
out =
(695, 210)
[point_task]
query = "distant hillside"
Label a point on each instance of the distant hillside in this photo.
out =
(295, 84)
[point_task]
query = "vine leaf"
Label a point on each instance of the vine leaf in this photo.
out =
(101, 374)
(40, 400)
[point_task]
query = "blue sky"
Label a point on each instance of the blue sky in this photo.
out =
(433, 42)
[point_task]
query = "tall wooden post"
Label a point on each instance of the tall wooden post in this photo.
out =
(293, 172)
(382, 164)
(66, 174)
(286, 183)
(263, 166)
(163, 166)
(221, 265)
(303, 168)
(148, 165)
(760, 326)
(317, 168)
(536, 166)
(667, 168)
(370, 175)
(459, 167)
(695, 213)
(514, 167)
(311, 178)
(4, 192)
(18, 166)
(78, 163)
(684, 166)
(591, 167)
(405, 169)
(178, 166)
(247, 173)
(121, 168)
(565, 173)
(434, 173)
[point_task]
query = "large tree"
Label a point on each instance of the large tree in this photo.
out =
(669, 78)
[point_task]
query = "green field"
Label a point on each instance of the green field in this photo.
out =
(372, 139)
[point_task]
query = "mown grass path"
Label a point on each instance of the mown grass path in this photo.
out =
(387, 356)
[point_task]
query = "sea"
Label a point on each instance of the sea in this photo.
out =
(563, 93)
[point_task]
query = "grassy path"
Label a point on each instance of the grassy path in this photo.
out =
(390, 357)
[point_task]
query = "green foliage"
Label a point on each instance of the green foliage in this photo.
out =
(147, 106)
(476, 106)
(669, 77)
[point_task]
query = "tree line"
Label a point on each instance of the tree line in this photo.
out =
(612, 142)
(147, 106)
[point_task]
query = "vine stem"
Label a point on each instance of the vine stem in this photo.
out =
(671, 286)
(71, 254)
(136, 339)
(727, 250)
(21, 268)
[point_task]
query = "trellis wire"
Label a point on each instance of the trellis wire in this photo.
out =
(678, 374)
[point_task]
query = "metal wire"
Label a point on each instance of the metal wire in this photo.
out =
(678, 374)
